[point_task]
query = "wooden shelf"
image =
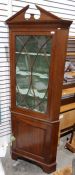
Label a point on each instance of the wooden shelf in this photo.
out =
(67, 120)
(68, 91)
(70, 106)
(67, 107)
(71, 53)
(71, 37)
(70, 85)
(71, 73)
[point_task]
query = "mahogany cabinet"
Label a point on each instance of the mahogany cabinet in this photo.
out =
(37, 58)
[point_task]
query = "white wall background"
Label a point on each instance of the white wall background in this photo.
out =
(64, 9)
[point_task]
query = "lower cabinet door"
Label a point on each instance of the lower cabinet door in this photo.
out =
(34, 140)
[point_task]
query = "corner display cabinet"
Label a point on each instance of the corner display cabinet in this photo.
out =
(37, 57)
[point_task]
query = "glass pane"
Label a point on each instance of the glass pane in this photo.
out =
(32, 72)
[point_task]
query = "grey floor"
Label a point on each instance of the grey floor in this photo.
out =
(21, 167)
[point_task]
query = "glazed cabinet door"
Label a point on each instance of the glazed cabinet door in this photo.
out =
(32, 71)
